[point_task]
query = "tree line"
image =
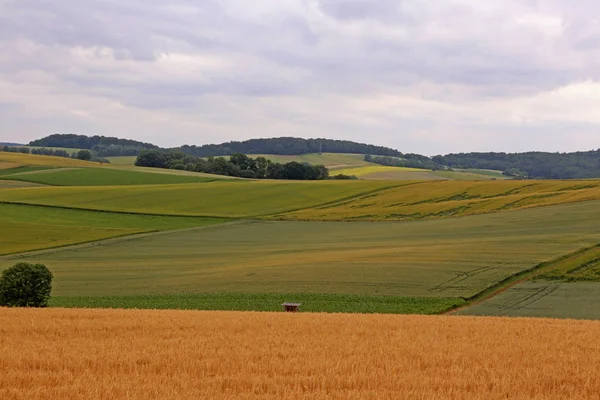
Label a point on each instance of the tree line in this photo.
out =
(85, 155)
(238, 165)
(287, 146)
(407, 161)
(101, 146)
(578, 165)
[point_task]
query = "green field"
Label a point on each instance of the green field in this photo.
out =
(543, 299)
(222, 199)
(123, 236)
(100, 177)
(122, 160)
(451, 258)
(27, 228)
(311, 302)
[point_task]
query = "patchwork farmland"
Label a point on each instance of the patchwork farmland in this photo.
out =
(123, 237)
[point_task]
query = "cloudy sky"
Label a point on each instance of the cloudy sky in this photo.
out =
(426, 76)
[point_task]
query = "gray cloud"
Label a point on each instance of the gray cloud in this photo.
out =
(424, 75)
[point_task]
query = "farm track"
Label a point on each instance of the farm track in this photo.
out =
(516, 279)
(112, 240)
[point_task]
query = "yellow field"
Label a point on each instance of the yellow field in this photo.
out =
(373, 169)
(8, 165)
(115, 354)
(51, 161)
(452, 198)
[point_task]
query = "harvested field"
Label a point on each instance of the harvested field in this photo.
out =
(51, 161)
(115, 354)
(8, 165)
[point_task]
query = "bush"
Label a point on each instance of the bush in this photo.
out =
(25, 285)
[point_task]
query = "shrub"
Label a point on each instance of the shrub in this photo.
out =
(25, 285)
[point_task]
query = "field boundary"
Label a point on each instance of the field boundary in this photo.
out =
(112, 239)
(513, 280)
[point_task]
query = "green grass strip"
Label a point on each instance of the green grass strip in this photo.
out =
(335, 303)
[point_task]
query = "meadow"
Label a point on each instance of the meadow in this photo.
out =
(134, 354)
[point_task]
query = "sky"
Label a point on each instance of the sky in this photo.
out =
(424, 76)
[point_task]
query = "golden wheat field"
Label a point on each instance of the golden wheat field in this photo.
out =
(116, 354)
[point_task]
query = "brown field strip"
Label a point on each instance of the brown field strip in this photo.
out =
(8, 165)
(116, 354)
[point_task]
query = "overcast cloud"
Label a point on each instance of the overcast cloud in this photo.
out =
(426, 76)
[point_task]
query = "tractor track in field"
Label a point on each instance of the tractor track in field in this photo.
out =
(514, 280)
(115, 239)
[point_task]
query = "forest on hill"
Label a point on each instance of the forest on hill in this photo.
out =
(288, 146)
(102, 146)
(542, 165)
(582, 164)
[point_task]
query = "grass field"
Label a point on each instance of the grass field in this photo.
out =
(103, 177)
(451, 198)
(225, 199)
(122, 160)
(541, 298)
(21, 169)
(26, 228)
(449, 258)
(364, 172)
(115, 354)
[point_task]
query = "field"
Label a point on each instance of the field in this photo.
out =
(222, 199)
(102, 177)
(540, 298)
(445, 259)
(122, 160)
(106, 354)
(26, 228)
(50, 161)
(152, 238)
(451, 198)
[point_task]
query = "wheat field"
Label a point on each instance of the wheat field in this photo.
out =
(116, 354)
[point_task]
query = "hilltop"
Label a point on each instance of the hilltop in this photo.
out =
(544, 165)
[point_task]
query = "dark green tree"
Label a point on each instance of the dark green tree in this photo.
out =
(25, 285)
(84, 155)
(152, 158)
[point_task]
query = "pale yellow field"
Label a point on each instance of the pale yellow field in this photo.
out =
(115, 354)
(452, 198)
(8, 165)
(51, 161)
(373, 169)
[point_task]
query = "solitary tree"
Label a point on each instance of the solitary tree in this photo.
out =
(25, 285)
(84, 155)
